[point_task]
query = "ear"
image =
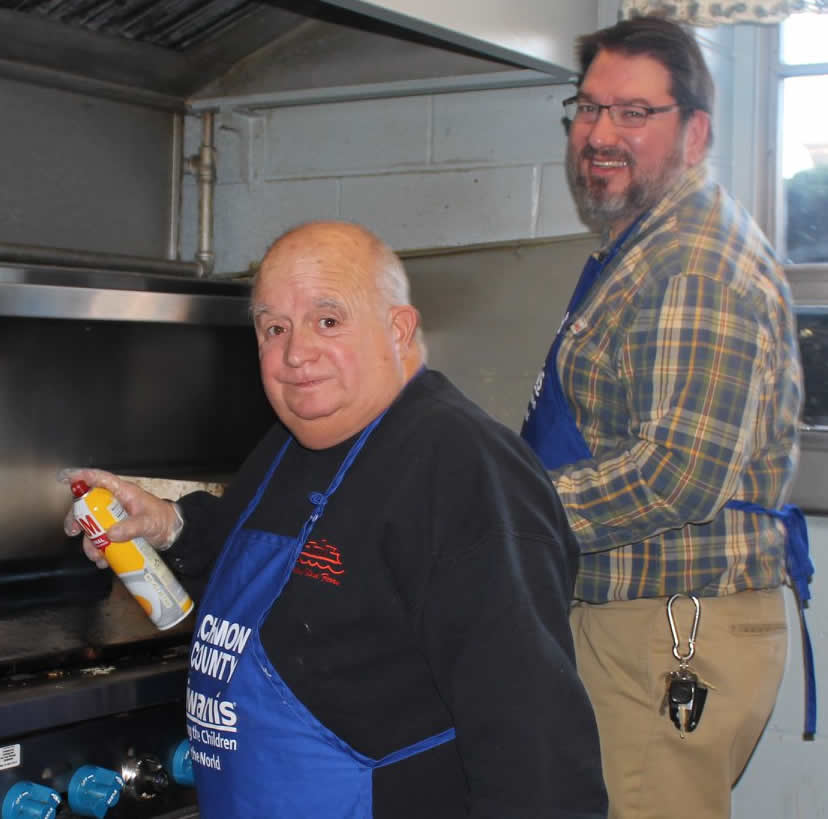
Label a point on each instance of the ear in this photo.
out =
(696, 136)
(404, 322)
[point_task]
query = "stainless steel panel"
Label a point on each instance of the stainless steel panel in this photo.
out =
(44, 301)
(533, 33)
(42, 292)
(490, 314)
(809, 285)
(159, 399)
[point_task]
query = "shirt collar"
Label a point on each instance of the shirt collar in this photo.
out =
(689, 182)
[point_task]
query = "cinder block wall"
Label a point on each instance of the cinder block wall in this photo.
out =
(423, 171)
(82, 172)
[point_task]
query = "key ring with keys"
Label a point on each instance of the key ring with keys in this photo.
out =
(691, 640)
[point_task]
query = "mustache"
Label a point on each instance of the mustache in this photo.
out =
(588, 152)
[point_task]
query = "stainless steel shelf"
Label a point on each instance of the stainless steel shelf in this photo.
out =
(43, 292)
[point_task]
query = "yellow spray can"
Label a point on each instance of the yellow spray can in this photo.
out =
(143, 572)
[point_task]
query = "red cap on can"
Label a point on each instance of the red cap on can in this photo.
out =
(79, 488)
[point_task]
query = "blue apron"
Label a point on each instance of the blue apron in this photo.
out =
(550, 430)
(257, 750)
(549, 427)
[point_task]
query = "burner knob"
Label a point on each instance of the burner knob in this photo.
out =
(28, 800)
(93, 790)
(144, 777)
(181, 764)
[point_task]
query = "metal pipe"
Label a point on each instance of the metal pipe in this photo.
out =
(67, 81)
(176, 169)
(204, 166)
(65, 257)
(249, 103)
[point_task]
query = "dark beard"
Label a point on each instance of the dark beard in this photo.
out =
(600, 210)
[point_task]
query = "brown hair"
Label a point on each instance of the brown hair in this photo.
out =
(669, 44)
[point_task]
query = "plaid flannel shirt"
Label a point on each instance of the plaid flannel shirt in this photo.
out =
(682, 371)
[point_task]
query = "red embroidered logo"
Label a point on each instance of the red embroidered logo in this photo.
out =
(320, 560)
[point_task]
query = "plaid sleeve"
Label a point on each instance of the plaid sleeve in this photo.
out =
(688, 363)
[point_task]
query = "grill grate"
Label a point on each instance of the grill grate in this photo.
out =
(171, 24)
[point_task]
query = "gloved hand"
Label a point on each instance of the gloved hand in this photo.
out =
(156, 520)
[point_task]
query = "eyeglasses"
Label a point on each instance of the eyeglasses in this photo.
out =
(622, 114)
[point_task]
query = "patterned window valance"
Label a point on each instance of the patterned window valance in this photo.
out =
(716, 12)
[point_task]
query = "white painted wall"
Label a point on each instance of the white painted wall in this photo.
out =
(448, 170)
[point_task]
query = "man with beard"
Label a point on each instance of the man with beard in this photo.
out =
(666, 414)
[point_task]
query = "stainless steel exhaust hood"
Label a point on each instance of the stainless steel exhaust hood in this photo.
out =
(167, 51)
(530, 33)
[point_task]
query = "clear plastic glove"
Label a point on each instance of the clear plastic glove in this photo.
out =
(152, 518)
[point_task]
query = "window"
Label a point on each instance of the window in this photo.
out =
(802, 72)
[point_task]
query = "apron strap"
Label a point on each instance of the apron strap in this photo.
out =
(254, 501)
(319, 499)
(418, 747)
(594, 267)
(549, 427)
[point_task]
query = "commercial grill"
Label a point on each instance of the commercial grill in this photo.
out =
(150, 376)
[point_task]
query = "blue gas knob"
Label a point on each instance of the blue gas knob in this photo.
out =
(181, 764)
(28, 800)
(93, 790)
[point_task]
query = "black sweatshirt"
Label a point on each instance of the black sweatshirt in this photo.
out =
(434, 591)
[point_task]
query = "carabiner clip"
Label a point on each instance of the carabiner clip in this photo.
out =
(691, 641)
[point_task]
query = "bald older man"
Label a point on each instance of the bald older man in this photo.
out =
(385, 627)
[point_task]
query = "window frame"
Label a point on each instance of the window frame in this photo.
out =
(809, 281)
(775, 223)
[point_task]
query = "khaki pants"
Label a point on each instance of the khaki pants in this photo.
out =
(624, 651)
